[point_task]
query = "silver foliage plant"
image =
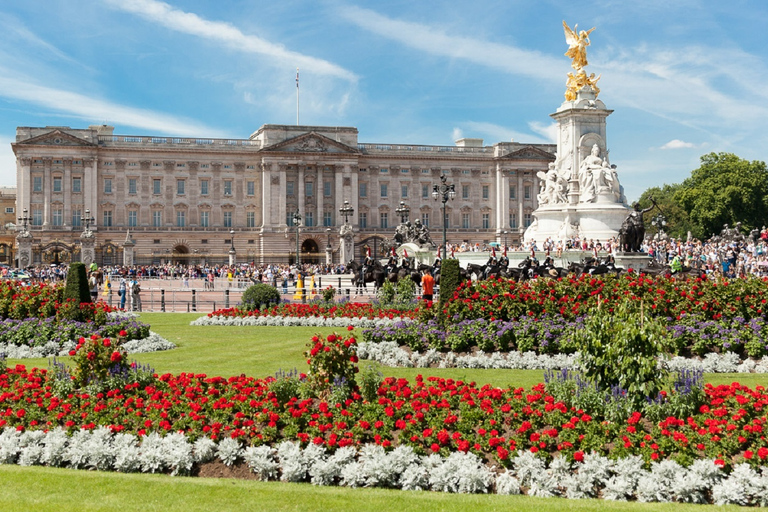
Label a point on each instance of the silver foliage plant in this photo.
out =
(284, 321)
(400, 468)
(389, 353)
(152, 343)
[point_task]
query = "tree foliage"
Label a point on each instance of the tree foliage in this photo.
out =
(725, 190)
(678, 221)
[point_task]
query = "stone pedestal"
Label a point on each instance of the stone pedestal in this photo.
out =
(24, 251)
(232, 257)
(346, 244)
(88, 247)
(128, 250)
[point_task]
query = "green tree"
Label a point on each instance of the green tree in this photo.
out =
(678, 221)
(725, 190)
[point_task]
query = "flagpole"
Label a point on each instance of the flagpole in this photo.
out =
(297, 96)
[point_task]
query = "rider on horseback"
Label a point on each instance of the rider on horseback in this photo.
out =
(491, 263)
(406, 262)
(368, 263)
(438, 262)
(392, 262)
(504, 261)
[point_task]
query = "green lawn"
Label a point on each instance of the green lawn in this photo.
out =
(262, 351)
(52, 489)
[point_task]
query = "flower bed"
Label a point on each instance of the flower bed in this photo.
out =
(431, 415)
(294, 321)
(434, 433)
(553, 334)
(572, 297)
(389, 353)
(373, 466)
(318, 309)
(35, 337)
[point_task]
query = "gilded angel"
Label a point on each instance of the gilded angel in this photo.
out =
(577, 45)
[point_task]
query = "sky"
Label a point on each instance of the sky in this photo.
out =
(684, 78)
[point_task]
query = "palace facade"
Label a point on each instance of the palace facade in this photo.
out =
(194, 200)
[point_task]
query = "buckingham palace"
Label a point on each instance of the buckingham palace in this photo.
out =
(198, 200)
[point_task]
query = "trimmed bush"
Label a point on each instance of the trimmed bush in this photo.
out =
(77, 283)
(259, 294)
(449, 279)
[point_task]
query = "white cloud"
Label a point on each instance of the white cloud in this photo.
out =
(678, 144)
(494, 133)
(437, 42)
(95, 110)
(457, 134)
(226, 34)
(548, 130)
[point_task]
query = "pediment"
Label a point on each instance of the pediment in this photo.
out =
(530, 153)
(56, 138)
(311, 142)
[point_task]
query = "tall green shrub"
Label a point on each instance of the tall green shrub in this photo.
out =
(619, 349)
(449, 279)
(77, 284)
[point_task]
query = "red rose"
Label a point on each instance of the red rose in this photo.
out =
(106, 342)
(578, 456)
(116, 357)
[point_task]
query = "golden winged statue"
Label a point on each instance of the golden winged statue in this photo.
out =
(577, 45)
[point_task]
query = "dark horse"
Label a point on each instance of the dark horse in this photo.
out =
(375, 275)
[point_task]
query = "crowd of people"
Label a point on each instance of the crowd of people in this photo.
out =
(731, 258)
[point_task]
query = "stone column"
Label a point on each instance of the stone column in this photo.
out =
(520, 201)
(66, 187)
(47, 185)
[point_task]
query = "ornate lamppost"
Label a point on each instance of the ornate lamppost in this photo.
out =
(232, 252)
(403, 211)
(297, 224)
(87, 239)
(24, 241)
(346, 234)
(444, 192)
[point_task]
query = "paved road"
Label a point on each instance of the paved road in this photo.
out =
(174, 295)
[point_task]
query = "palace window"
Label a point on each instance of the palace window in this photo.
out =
(156, 187)
(383, 220)
(204, 216)
(362, 220)
(77, 185)
(77, 218)
(57, 217)
(107, 185)
(227, 219)
(363, 189)
(486, 192)
(180, 187)
(132, 186)
(181, 218)
(157, 218)
(250, 219)
(465, 220)
(57, 184)
(37, 184)
(227, 187)
(204, 187)
(107, 218)
(250, 187)
(132, 218)
(486, 221)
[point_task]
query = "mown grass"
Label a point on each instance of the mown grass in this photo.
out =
(52, 489)
(263, 351)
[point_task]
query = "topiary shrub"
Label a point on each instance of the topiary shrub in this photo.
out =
(449, 279)
(259, 294)
(77, 284)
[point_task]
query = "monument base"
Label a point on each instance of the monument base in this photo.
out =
(590, 221)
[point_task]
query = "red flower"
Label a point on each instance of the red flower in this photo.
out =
(578, 456)
(116, 357)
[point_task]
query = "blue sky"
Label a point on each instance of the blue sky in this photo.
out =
(684, 77)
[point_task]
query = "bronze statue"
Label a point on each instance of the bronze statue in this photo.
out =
(632, 230)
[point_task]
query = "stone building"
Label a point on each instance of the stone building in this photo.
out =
(197, 200)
